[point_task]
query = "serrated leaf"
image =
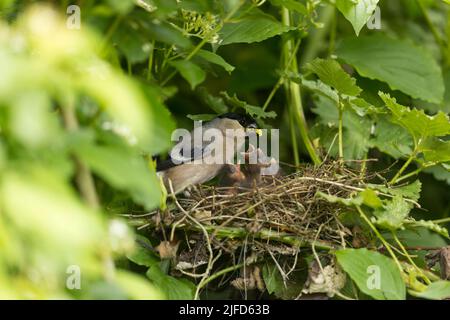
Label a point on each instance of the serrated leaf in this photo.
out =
(431, 226)
(393, 214)
(435, 150)
(419, 124)
(215, 103)
(331, 73)
(358, 12)
(439, 173)
(391, 139)
(319, 88)
(216, 59)
(438, 290)
(190, 71)
(254, 27)
(410, 191)
(253, 111)
(401, 65)
(363, 265)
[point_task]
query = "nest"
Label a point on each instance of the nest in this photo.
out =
(279, 215)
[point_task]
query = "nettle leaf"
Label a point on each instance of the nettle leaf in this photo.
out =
(438, 290)
(216, 59)
(253, 111)
(440, 173)
(429, 225)
(253, 27)
(331, 73)
(319, 88)
(400, 64)
(419, 124)
(435, 150)
(189, 71)
(391, 139)
(373, 273)
(410, 191)
(215, 103)
(124, 169)
(358, 12)
(393, 214)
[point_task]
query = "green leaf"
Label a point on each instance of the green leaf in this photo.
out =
(141, 254)
(429, 225)
(439, 173)
(360, 263)
(419, 124)
(349, 202)
(190, 71)
(275, 284)
(216, 59)
(358, 12)
(124, 169)
(253, 27)
(292, 5)
(215, 103)
(410, 191)
(401, 65)
(438, 290)
(133, 44)
(393, 214)
(253, 111)
(435, 150)
(202, 117)
(319, 88)
(331, 73)
(391, 139)
(175, 289)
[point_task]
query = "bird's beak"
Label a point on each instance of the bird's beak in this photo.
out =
(255, 130)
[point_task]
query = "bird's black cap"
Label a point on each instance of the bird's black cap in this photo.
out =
(244, 119)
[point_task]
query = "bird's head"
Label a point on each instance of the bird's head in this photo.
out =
(246, 121)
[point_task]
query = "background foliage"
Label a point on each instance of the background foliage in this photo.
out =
(83, 111)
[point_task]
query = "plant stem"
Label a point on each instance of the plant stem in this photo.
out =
(150, 60)
(409, 257)
(411, 174)
(378, 234)
(293, 91)
(317, 39)
(84, 179)
(442, 221)
(340, 132)
(403, 168)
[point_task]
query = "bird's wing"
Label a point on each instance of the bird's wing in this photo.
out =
(195, 153)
